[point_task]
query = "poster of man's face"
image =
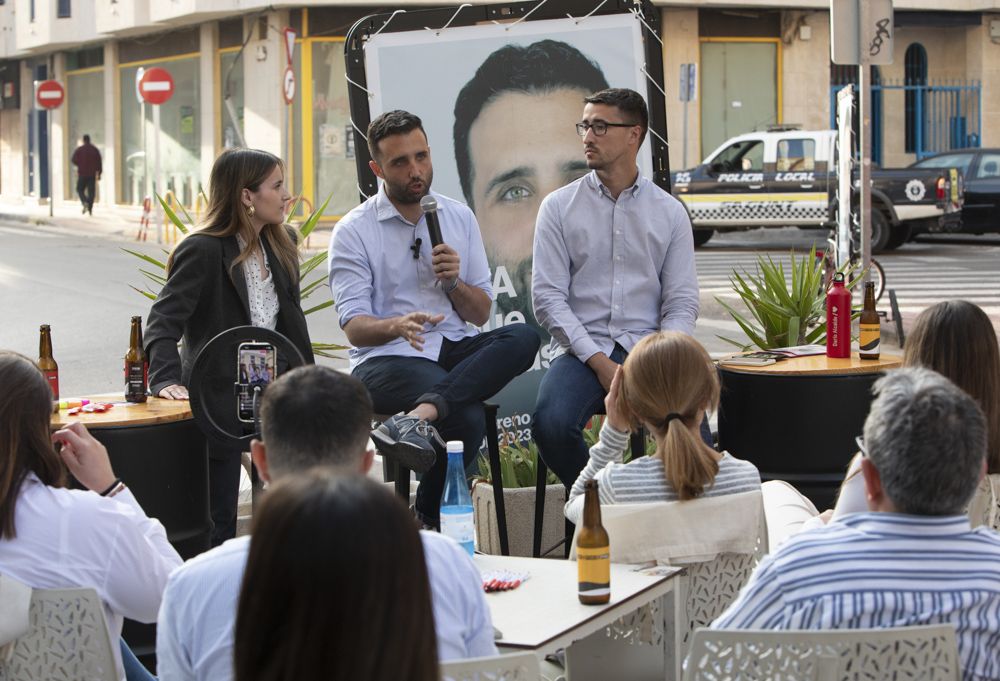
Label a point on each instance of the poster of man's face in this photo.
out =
(499, 104)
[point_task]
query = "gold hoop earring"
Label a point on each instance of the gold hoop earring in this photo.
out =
(251, 211)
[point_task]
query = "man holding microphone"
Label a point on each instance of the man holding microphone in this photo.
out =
(409, 298)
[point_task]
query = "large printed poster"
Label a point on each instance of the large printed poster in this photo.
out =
(499, 103)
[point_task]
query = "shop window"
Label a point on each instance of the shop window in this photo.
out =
(85, 116)
(231, 85)
(180, 136)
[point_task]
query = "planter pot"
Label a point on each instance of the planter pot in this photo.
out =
(519, 504)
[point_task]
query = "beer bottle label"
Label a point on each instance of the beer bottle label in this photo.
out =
(53, 380)
(868, 343)
(594, 570)
(135, 379)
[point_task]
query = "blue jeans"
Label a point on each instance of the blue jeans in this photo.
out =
(467, 372)
(134, 670)
(570, 394)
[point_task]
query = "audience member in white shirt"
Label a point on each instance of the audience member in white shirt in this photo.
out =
(52, 537)
(311, 416)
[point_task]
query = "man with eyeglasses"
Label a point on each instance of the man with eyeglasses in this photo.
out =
(613, 262)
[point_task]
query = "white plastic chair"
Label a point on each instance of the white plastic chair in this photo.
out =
(925, 653)
(68, 641)
(668, 533)
(515, 667)
(984, 509)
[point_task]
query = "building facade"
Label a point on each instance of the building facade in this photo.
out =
(757, 64)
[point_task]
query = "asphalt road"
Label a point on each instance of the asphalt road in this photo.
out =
(80, 286)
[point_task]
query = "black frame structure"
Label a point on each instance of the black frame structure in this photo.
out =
(414, 20)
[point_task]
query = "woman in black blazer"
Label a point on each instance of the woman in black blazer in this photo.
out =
(239, 268)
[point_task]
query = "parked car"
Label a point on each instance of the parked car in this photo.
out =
(789, 177)
(981, 168)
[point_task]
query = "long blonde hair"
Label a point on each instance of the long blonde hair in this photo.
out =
(668, 382)
(234, 170)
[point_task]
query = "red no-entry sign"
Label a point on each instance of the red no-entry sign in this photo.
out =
(156, 85)
(49, 94)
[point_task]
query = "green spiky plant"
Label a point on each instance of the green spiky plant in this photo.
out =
(519, 461)
(783, 311)
(157, 276)
(518, 465)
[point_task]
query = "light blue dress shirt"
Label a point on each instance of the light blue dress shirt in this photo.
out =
(197, 622)
(373, 271)
(873, 570)
(608, 271)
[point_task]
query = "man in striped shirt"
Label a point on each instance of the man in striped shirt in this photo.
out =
(912, 559)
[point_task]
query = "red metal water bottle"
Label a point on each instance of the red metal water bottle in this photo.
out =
(838, 319)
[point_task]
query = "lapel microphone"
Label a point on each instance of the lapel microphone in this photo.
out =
(416, 248)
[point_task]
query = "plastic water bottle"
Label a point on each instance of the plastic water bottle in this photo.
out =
(456, 502)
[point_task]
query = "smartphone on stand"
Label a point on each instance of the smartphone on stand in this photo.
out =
(256, 367)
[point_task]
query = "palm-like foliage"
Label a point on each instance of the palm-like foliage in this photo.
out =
(156, 275)
(783, 312)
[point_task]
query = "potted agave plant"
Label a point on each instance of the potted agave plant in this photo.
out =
(518, 469)
(784, 309)
(156, 277)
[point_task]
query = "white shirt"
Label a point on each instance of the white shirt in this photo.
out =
(196, 627)
(73, 538)
(261, 294)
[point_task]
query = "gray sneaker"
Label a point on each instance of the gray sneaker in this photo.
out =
(409, 441)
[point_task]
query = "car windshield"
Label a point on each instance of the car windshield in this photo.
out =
(960, 161)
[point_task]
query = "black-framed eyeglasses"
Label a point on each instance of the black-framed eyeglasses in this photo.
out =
(600, 128)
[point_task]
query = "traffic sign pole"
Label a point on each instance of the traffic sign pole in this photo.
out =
(48, 116)
(156, 86)
(158, 187)
(49, 96)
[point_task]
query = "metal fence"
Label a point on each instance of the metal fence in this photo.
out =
(939, 116)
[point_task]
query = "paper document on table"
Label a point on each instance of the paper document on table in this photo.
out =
(800, 350)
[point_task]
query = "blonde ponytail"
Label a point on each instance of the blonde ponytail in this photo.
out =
(668, 383)
(689, 468)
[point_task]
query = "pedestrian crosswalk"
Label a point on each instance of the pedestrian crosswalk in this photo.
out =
(919, 280)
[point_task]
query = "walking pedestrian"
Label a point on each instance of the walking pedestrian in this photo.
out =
(87, 160)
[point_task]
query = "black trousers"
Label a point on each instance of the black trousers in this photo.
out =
(223, 490)
(86, 187)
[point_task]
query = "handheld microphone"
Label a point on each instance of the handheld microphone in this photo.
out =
(429, 205)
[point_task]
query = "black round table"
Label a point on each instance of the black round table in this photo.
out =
(797, 419)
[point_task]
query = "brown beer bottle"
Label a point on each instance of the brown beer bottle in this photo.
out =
(593, 553)
(136, 365)
(45, 360)
(870, 326)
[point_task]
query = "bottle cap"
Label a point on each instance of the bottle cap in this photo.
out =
(838, 278)
(455, 446)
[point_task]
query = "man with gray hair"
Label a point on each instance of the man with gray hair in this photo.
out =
(310, 416)
(912, 559)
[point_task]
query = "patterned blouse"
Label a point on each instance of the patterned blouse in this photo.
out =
(261, 294)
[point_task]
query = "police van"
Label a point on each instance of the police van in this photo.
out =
(789, 177)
